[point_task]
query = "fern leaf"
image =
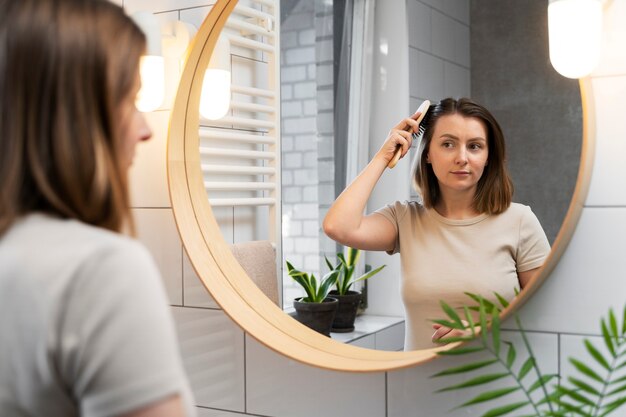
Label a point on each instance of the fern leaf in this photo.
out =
(613, 323)
(526, 367)
(505, 409)
(575, 395)
(450, 324)
(495, 330)
(583, 386)
(452, 314)
(511, 354)
(541, 381)
(572, 408)
(490, 395)
(584, 369)
(617, 390)
(607, 338)
(607, 409)
(503, 301)
(597, 355)
(466, 368)
(479, 380)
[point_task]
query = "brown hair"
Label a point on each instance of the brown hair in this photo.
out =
(65, 68)
(495, 188)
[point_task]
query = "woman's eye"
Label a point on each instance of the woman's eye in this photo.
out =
(447, 144)
(475, 146)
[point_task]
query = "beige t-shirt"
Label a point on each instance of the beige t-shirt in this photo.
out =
(443, 258)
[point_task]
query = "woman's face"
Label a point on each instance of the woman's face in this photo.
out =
(458, 152)
(134, 126)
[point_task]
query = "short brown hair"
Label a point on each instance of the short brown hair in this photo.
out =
(495, 188)
(65, 68)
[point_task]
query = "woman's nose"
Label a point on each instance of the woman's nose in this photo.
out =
(145, 132)
(461, 156)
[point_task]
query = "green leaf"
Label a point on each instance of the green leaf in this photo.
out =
(452, 314)
(470, 320)
(369, 274)
(526, 367)
(454, 339)
(462, 350)
(617, 390)
(330, 266)
(505, 409)
(479, 380)
(449, 324)
(586, 370)
(583, 386)
(503, 301)
(613, 323)
(624, 321)
(607, 338)
(510, 356)
(495, 330)
(488, 304)
(608, 408)
(466, 368)
(575, 395)
(483, 320)
(597, 355)
(541, 381)
(490, 395)
(618, 380)
(572, 408)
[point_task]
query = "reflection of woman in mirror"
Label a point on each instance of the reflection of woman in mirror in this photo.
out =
(85, 322)
(464, 235)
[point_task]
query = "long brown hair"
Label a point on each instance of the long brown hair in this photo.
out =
(494, 190)
(65, 68)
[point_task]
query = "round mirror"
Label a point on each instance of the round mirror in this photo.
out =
(210, 254)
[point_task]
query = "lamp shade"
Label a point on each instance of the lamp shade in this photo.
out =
(575, 35)
(216, 91)
(152, 65)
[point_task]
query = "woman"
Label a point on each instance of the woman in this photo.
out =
(84, 320)
(464, 236)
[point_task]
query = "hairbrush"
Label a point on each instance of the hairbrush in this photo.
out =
(422, 109)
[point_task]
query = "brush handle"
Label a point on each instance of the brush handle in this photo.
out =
(422, 109)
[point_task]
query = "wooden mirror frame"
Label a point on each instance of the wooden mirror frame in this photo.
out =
(227, 282)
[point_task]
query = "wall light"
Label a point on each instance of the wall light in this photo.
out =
(575, 35)
(216, 92)
(152, 65)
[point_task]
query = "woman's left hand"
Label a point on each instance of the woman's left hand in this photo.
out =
(445, 332)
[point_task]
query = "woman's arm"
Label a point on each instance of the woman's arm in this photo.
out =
(345, 222)
(526, 276)
(169, 407)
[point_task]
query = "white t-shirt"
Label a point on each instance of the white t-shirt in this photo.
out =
(85, 327)
(443, 258)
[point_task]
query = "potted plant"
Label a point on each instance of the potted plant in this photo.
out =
(348, 299)
(316, 310)
(597, 387)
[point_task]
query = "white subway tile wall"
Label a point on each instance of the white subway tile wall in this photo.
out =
(234, 375)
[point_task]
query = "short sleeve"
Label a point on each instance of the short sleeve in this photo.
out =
(119, 350)
(533, 247)
(394, 213)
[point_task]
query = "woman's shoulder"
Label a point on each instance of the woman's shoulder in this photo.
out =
(518, 210)
(71, 241)
(399, 209)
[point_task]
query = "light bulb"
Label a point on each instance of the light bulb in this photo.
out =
(152, 92)
(215, 95)
(575, 35)
(215, 100)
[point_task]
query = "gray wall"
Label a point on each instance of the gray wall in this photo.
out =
(538, 109)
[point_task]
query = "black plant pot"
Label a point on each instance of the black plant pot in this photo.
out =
(317, 316)
(346, 311)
